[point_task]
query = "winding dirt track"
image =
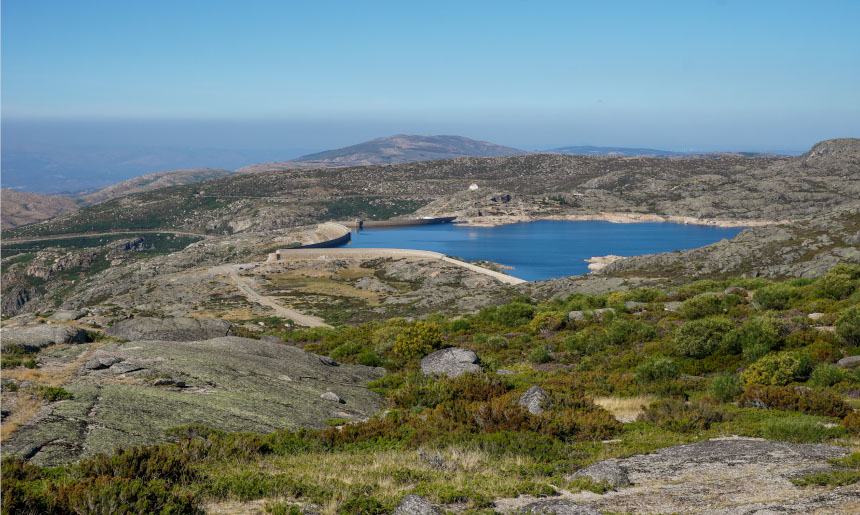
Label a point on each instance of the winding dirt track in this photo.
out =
(244, 286)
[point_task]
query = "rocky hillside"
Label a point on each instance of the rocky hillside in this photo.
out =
(25, 208)
(154, 181)
(510, 189)
(400, 148)
(590, 150)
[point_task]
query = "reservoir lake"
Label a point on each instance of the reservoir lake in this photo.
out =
(547, 248)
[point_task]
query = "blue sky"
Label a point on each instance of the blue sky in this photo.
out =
(678, 75)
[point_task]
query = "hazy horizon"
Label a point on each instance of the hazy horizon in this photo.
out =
(101, 91)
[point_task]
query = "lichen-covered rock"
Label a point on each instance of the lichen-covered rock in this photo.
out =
(533, 399)
(331, 396)
(557, 507)
(416, 505)
(101, 362)
(169, 329)
(451, 362)
(609, 472)
(35, 338)
(849, 362)
(578, 316)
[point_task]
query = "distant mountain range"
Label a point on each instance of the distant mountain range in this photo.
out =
(588, 150)
(400, 148)
(20, 209)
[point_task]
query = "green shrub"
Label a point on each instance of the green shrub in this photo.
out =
(778, 369)
(417, 340)
(626, 331)
(707, 305)
(846, 471)
(796, 429)
(725, 387)
(657, 368)
(369, 359)
(51, 393)
(460, 325)
(826, 375)
(789, 398)
(547, 321)
(848, 325)
(851, 423)
(497, 342)
(539, 355)
(754, 338)
(514, 314)
(700, 338)
(840, 282)
(776, 296)
(145, 462)
(363, 505)
(680, 416)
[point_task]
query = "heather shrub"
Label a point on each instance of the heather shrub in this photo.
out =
(789, 398)
(778, 369)
(657, 368)
(754, 338)
(725, 387)
(681, 416)
(848, 325)
(416, 340)
(826, 375)
(547, 321)
(165, 462)
(497, 342)
(796, 429)
(626, 331)
(840, 282)
(776, 296)
(851, 422)
(700, 338)
(539, 355)
(369, 359)
(707, 305)
(510, 315)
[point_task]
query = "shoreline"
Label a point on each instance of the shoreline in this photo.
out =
(620, 218)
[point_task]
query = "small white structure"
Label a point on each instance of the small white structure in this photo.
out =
(473, 186)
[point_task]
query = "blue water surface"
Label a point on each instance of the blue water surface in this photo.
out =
(547, 248)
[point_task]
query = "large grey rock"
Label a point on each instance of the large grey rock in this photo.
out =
(533, 399)
(451, 362)
(35, 338)
(66, 316)
(101, 362)
(416, 505)
(231, 383)
(557, 507)
(169, 329)
(608, 471)
(331, 396)
(849, 362)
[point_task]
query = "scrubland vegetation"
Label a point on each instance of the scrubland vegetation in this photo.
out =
(736, 357)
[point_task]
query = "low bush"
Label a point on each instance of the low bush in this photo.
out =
(848, 325)
(547, 321)
(725, 387)
(417, 340)
(839, 282)
(754, 338)
(369, 359)
(657, 368)
(851, 423)
(778, 369)
(680, 416)
(796, 429)
(539, 355)
(846, 471)
(626, 331)
(708, 304)
(700, 338)
(776, 296)
(826, 375)
(791, 398)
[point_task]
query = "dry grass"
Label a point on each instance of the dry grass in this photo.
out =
(26, 408)
(625, 409)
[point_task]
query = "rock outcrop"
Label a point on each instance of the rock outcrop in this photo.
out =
(416, 505)
(452, 362)
(169, 329)
(557, 507)
(533, 399)
(608, 472)
(35, 338)
(228, 383)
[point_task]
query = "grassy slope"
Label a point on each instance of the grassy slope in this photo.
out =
(686, 360)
